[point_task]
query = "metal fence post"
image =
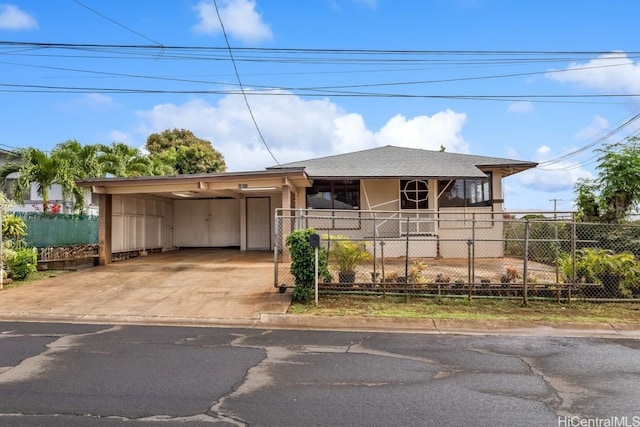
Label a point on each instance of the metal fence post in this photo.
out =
(473, 250)
(276, 246)
(573, 252)
(406, 264)
(374, 275)
(525, 272)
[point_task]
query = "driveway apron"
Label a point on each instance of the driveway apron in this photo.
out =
(186, 286)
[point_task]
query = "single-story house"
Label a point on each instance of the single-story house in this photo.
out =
(238, 209)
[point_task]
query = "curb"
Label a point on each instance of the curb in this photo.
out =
(354, 324)
(450, 326)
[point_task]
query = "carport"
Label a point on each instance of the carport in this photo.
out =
(162, 213)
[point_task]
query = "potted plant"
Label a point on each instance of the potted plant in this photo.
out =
(348, 255)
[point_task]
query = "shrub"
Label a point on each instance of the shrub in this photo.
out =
(23, 262)
(303, 264)
(13, 228)
(618, 272)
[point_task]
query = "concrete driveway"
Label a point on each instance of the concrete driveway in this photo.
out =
(193, 286)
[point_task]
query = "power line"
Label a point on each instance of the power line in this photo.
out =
(116, 22)
(627, 123)
(244, 95)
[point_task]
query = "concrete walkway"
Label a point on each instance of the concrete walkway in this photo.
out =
(195, 286)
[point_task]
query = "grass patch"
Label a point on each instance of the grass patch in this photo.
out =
(475, 309)
(34, 277)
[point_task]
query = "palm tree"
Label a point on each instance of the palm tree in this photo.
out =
(81, 161)
(122, 160)
(157, 166)
(39, 168)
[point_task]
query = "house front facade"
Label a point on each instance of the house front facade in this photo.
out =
(238, 209)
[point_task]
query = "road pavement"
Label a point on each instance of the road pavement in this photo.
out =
(112, 375)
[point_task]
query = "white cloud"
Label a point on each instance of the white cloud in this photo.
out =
(611, 72)
(520, 107)
(12, 18)
(117, 136)
(296, 129)
(597, 125)
(94, 102)
(240, 19)
(373, 4)
(443, 128)
(512, 153)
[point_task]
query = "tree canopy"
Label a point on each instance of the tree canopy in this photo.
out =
(615, 192)
(185, 152)
(176, 151)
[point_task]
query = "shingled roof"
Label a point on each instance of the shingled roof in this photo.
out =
(400, 162)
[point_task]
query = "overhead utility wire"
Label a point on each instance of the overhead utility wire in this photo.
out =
(117, 23)
(244, 95)
(506, 98)
(570, 152)
(312, 88)
(312, 50)
(590, 145)
(527, 56)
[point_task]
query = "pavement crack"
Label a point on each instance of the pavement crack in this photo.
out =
(31, 367)
(435, 327)
(565, 393)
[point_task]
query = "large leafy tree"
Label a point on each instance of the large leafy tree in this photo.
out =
(185, 152)
(122, 160)
(616, 191)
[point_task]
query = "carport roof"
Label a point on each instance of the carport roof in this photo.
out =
(231, 184)
(400, 162)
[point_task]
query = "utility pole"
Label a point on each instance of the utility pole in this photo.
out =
(555, 206)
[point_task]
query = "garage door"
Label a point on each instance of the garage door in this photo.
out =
(207, 223)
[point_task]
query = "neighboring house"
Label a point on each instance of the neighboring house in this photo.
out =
(237, 209)
(33, 201)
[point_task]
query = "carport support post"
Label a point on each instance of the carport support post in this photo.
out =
(104, 228)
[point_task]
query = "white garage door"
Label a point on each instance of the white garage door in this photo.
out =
(206, 223)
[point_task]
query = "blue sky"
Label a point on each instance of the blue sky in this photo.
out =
(545, 81)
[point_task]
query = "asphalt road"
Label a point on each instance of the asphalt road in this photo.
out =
(101, 375)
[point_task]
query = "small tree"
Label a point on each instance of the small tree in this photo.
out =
(616, 191)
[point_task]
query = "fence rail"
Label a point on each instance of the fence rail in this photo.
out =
(480, 254)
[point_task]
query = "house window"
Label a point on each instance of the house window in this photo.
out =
(414, 194)
(334, 194)
(460, 193)
(10, 190)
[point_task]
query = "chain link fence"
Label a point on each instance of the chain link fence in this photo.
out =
(473, 255)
